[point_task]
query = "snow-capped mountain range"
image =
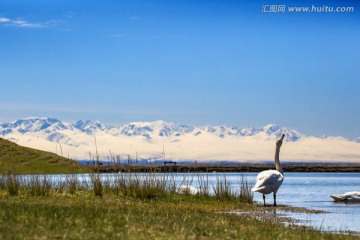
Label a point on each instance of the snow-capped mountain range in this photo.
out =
(82, 139)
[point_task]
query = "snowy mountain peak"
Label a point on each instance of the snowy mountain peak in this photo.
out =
(271, 128)
(36, 119)
(157, 128)
(33, 124)
(89, 126)
(151, 125)
(248, 131)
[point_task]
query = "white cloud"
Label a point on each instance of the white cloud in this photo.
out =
(20, 23)
(3, 20)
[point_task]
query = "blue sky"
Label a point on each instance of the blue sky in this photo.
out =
(192, 62)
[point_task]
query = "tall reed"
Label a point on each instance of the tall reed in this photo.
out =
(97, 185)
(39, 185)
(145, 186)
(222, 188)
(72, 183)
(2, 182)
(246, 195)
(134, 185)
(204, 187)
(12, 184)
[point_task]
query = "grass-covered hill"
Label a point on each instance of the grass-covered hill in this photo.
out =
(16, 159)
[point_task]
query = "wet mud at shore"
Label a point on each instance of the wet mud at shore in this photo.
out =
(287, 215)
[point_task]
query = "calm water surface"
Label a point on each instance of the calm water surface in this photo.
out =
(313, 190)
(308, 190)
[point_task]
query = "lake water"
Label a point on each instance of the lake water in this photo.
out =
(313, 190)
(308, 190)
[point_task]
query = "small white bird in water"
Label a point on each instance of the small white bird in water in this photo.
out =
(269, 181)
(347, 197)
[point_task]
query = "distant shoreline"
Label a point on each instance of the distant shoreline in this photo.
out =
(113, 168)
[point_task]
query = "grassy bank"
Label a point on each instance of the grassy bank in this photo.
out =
(133, 207)
(23, 160)
(85, 216)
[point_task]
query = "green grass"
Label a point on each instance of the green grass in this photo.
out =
(84, 216)
(131, 207)
(22, 160)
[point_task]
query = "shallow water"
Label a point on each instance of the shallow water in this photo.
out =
(308, 190)
(313, 190)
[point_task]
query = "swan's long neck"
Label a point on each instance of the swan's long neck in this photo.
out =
(277, 155)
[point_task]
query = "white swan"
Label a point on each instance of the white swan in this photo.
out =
(347, 197)
(186, 189)
(269, 181)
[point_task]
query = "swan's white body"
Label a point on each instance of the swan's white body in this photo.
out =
(347, 197)
(269, 181)
(186, 189)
